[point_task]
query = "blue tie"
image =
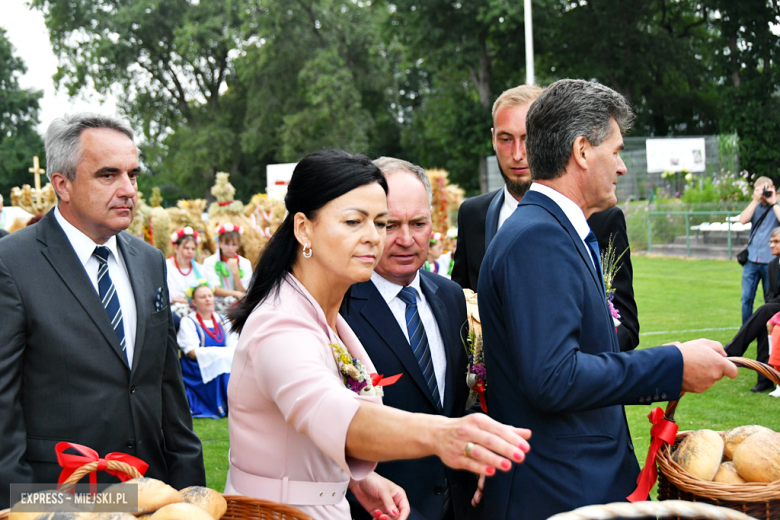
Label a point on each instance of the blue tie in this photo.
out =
(595, 252)
(108, 296)
(419, 341)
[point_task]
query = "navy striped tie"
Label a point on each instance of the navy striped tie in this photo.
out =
(595, 253)
(418, 340)
(108, 296)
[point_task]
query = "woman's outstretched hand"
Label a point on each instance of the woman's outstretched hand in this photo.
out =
(481, 445)
(380, 497)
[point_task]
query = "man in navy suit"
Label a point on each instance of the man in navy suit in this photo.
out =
(553, 362)
(433, 381)
(480, 217)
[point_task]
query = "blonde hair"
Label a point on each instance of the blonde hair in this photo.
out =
(517, 96)
(764, 180)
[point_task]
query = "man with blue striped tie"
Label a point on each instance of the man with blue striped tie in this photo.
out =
(87, 349)
(410, 321)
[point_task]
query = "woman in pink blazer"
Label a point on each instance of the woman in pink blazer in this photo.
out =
(306, 420)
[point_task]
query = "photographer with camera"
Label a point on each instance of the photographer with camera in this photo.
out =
(759, 254)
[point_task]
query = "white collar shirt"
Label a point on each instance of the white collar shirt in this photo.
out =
(572, 211)
(507, 208)
(389, 292)
(117, 270)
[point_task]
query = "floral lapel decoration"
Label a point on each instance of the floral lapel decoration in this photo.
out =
(476, 374)
(610, 265)
(355, 375)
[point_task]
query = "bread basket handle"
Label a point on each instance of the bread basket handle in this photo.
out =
(75, 467)
(762, 368)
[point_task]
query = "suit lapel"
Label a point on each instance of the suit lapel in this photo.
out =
(63, 259)
(445, 327)
(547, 203)
(140, 288)
(380, 317)
(491, 220)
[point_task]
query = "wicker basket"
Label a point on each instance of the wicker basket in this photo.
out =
(245, 508)
(238, 507)
(757, 499)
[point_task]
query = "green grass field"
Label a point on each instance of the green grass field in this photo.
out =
(677, 299)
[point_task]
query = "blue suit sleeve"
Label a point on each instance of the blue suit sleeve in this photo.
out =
(544, 317)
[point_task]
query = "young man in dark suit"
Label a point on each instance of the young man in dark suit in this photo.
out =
(552, 356)
(480, 217)
(413, 322)
(88, 354)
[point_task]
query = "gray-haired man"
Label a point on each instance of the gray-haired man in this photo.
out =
(87, 349)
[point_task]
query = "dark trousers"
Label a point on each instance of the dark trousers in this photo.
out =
(755, 328)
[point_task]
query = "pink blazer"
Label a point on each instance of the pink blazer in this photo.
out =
(289, 407)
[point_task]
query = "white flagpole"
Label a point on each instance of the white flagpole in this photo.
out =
(529, 44)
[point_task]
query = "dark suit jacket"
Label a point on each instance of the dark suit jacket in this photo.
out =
(554, 366)
(3, 233)
(472, 223)
(64, 377)
(376, 327)
(612, 224)
(470, 249)
(773, 294)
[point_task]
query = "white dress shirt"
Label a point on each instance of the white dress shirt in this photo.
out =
(117, 270)
(572, 211)
(507, 208)
(389, 292)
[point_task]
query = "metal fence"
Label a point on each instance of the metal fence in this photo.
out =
(712, 232)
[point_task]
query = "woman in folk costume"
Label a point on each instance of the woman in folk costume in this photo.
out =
(208, 345)
(183, 271)
(227, 271)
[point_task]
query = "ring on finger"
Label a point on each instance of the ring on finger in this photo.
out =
(467, 449)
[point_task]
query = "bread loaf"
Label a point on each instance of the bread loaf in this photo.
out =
(181, 511)
(206, 498)
(700, 454)
(734, 437)
(727, 474)
(757, 458)
(152, 494)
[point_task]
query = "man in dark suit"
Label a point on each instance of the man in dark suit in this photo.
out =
(480, 217)
(434, 369)
(87, 349)
(553, 362)
(3, 232)
(755, 327)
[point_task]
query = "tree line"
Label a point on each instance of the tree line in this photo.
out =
(234, 85)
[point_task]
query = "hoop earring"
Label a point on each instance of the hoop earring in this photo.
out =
(306, 254)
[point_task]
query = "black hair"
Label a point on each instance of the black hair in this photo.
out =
(319, 178)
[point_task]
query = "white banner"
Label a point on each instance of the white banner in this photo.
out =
(675, 155)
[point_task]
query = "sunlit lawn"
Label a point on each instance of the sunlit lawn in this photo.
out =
(676, 299)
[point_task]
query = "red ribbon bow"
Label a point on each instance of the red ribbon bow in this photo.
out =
(479, 388)
(380, 380)
(225, 203)
(71, 463)
(663, 430)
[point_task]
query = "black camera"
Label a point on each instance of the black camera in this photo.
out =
(767, 193)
